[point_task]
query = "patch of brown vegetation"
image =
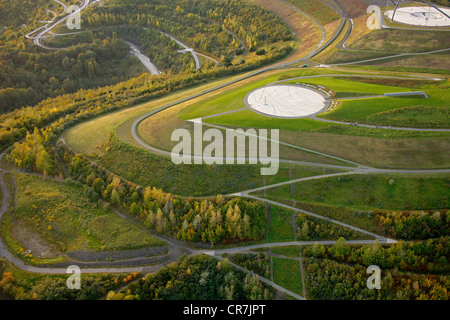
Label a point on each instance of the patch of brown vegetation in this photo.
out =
(354, 8)
(378, 152)
(430, 61)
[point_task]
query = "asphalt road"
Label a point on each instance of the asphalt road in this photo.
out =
(362, 169)
(144, 59)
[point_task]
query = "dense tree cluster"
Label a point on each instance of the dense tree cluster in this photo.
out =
(15, 14)
(32, 155)
(210, 221)
(66, 110)
(420, 256)
(340, 271)
(414, 225)
(29, 77)
(310, 228)
(204, 24)
(196, 278)
(257, 263)
(331, 280)
(98, 58)
(55, 287)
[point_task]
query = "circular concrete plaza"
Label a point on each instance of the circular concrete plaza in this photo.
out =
(286, 101)
(420, 16)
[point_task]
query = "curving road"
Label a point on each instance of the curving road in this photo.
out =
(198, 63)
(144, 145)
(143, 58)
(361, 169)
(37, 40)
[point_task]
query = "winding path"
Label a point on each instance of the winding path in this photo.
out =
(47, 28)
(144, 59)
(360, 169)
(198, 63)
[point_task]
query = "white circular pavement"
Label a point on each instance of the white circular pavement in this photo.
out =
(420, 16)
(286, 101)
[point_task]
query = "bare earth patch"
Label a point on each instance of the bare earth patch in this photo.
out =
(30, 240)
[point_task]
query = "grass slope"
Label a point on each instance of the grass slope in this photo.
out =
(63, 217)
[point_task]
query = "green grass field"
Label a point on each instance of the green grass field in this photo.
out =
(143, 168)
(280, 228)
(354, 85)
(413, 117)
(286, 273)
(433, 112)
(376, 147)
(233, 98)
(368, 192)
(61, 218)
(351, 110)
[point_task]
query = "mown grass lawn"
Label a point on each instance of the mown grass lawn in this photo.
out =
(352, 85)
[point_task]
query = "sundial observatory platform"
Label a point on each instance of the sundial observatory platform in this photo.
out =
(421, 16)
(286, 101)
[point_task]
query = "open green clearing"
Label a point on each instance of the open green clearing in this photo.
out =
(368, 192)
(146, 169)
(60, 217)
(355, 85)
(434, 63)
(286, 273)
(375, 111)
(280, 228)
(416, 117)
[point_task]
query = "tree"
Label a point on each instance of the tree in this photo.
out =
(43, 161)
(304, 231)
(98, 185)
(340, 249)
(115, 197)
(160, 222)
(91, 69)
(246, 225)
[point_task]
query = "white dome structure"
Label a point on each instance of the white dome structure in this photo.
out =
(286, 101)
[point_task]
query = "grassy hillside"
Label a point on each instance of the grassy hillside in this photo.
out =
(56, 217)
